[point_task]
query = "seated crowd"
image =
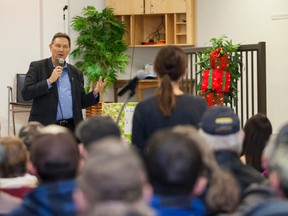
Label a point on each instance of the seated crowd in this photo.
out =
(182, 171)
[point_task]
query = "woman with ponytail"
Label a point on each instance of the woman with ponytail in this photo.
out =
(170, 106)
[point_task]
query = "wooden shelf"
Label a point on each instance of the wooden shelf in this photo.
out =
(154, 20)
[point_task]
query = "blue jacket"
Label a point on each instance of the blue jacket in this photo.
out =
(51, 199)
(177, 205)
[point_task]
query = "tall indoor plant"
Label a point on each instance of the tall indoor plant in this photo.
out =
(99, 46)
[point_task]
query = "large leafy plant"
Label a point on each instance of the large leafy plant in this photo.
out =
(100, 46)
(234, 61)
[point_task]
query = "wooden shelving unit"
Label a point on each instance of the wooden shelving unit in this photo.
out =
(160, 21)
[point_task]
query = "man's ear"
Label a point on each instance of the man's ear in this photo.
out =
(83, 156)
(147, 192)
(200, 185)
(274, 181)
(31, 168)
(80, 200)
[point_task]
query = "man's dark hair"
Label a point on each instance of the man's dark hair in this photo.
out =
(55, 156)
(96, 128)
(61, 35)
(29, 131)
(173, 162)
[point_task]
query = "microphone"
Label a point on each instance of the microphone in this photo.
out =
(61, 62)
(131, 85)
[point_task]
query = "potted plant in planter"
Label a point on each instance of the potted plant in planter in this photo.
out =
(99, 46)
(219, 72)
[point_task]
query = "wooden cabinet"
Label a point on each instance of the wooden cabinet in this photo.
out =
(165, 6)
(156, 22)
(126, 7)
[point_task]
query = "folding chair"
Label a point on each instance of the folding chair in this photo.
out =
(17, 104)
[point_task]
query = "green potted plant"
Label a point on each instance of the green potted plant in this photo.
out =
(99, 46)
(225, 52)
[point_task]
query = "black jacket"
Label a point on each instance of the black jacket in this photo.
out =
(45, 101)
(244, 174)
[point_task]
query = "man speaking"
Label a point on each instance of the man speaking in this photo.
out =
(57, 88)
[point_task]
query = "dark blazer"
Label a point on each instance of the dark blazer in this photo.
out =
(244, 174)
(45, 101)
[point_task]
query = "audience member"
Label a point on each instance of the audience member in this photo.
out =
(220, 127)
(257, 131)
(8, 202)
(95, 128)
(277, 165)
(268, 152)
(29, 131)
(55, 159)
(2, 153)
(170, 106)
(113, 182)
(222, 191)
(14, 177)
(262, 201)
(175, 167)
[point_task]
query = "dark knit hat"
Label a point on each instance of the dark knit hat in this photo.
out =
(220, 120)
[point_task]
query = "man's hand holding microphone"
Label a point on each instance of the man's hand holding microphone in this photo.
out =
(57, 72)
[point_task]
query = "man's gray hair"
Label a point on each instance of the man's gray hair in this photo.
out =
(279, 164)
(231, 142)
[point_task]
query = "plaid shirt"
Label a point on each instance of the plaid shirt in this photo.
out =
(49, 199)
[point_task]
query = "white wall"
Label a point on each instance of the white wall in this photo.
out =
(20, 27)
(250, 22)
(27, 28)
(27, 38)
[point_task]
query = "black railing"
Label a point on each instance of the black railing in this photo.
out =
(251, 86)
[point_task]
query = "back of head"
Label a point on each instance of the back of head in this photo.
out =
(54, 129)
(257, 130)
(55, 156)
(121, 209)
(170, 65)
(96, 128)
(113, 172)
(2, 153)
(220, 127)
(279, 164)
(222, 194)
(14, 157)
(279, 160)
(170, 61)
(174, 163)
(273, 143)
(29, 131)
(282, 136)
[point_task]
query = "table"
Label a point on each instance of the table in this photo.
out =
(186, 86)
(143, 84)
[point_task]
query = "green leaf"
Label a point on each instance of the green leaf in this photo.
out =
(100, 45)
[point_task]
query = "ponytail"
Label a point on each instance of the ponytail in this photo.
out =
(165, 96)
